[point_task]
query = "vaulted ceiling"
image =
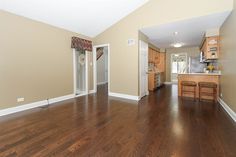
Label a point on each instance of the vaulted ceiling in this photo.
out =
(87, 17)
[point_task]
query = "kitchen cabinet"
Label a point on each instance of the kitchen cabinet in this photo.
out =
(156, 58)
(210, 48)
(153, 56)
(161, 63)
(150, 55)
(156, 76)
(155, 80)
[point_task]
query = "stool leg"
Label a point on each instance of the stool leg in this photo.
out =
(199, 93)
(194, 93)
(215, 94)
(182, 91)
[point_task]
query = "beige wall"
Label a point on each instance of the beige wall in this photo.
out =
(191, 52)
(228, 60)
(124, 58)
(35, 61)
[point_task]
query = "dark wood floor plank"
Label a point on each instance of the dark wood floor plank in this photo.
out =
(160, 125)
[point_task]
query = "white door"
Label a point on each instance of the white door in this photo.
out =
(143, 61)
(80, 72)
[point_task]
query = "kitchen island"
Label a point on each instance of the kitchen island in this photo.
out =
(198, 77)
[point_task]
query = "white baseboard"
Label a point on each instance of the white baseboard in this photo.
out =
(231, 113)
(101, 83)
(76, 96)
(62, 98)
(124, 96)
(34, 105)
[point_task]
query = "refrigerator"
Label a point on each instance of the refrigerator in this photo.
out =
(195, 66)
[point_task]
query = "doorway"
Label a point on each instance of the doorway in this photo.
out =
(80, 72)
(178, 65)
(143, 68)
(101, 58)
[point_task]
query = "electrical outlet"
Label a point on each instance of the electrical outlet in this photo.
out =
(221, 95)
(20, 99)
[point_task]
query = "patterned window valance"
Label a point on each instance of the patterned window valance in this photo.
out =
(81, 44)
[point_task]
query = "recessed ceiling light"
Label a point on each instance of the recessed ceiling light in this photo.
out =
(176, 33)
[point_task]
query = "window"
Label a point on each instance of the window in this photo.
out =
(178, 65)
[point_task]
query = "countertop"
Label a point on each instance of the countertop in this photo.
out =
(214, 74)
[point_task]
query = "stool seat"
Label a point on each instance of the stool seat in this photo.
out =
(188, 83)
(207, 84)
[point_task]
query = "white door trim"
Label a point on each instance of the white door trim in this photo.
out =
(140, 72)
(95, 65)
(75, 72)
(86, 73)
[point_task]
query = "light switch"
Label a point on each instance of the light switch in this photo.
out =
(131, 42)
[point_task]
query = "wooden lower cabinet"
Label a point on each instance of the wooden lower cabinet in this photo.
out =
(155, 80)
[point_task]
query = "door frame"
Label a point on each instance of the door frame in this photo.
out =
(140, 71)
(75, 62)
(95, 66)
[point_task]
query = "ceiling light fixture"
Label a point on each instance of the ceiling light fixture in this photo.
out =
(177, 45)
(176, 42)
(176, 33)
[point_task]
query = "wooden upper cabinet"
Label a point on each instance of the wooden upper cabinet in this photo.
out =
(211, 48)
(153, 56)
(150, 55)
(161, 65)
(157, 58)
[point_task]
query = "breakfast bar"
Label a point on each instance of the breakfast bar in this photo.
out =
(199, 77)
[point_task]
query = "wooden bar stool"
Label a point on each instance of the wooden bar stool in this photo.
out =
(207, 85)
(188, 84)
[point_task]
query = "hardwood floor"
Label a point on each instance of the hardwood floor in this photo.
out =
(159, 125)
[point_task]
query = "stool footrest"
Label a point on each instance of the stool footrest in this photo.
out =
(207, 93)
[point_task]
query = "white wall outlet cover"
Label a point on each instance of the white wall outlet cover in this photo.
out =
(131, 42)
(20, 99)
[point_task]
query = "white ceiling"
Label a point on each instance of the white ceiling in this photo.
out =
(190, 32)
(87, 17)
